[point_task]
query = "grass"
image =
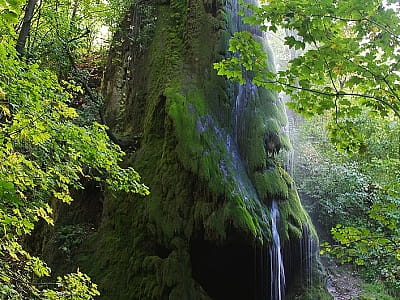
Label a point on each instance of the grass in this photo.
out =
(375, 291)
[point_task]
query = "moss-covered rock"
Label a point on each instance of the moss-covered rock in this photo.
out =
(207, 151)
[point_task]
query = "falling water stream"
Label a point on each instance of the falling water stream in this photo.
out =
(244, 94)
(308, 250)
(277, 269)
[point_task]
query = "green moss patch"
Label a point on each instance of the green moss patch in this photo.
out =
(206, 182)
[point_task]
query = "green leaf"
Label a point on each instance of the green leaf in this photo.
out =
(9, 16)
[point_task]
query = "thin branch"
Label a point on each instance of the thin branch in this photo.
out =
(376, 77)
(383, 27)
(339, 18)
(329, 72)
(338, 94)
(85, 33)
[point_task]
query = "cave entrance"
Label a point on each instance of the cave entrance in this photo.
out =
(301, 263)
(231, 271)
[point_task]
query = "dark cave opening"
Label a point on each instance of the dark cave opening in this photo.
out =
(237, 270)
(292, 261)
(232, 270)
(301, 263)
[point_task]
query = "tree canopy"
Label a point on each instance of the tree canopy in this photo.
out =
(350, 59)
(354, 196)
(44, 153)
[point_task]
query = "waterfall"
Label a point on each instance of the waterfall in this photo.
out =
(308, 249)
(308, 244)
(243, 101)
(238, 101)
(290, 130)
(277, 269)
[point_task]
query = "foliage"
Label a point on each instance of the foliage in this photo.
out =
(62, 29)
(349, 61)
(69, 237)
(375, 245)
(338, 192)
(74, 286)
(379, 158)
(374, 291)
(70, 38)
(44, 154)
(9, 14)
(249, 57)
(353, 194)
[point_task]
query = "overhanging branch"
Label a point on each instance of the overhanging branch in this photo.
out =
(337, 94)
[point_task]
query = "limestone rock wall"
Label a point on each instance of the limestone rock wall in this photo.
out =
(205, 147)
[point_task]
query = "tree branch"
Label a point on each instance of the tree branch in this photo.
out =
(85, 33)
(26, 27)
(383, 27)
(337, 94)
(376, 77)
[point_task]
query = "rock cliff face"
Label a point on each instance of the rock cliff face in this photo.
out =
(206, 148)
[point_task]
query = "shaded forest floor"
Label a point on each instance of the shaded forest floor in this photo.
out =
(344, 283)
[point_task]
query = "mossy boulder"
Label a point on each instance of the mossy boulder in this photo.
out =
(207, 150)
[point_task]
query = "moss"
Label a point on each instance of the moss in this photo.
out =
(204, 181)
(188, 160)
(206, 148)
(271, 185)
(294, 217)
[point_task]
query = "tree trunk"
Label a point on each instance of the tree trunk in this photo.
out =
(26, 27)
